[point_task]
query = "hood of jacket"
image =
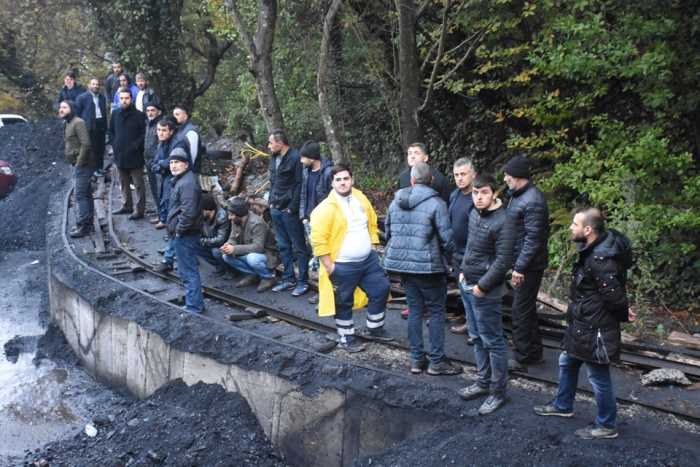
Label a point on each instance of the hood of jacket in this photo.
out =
(411, 197)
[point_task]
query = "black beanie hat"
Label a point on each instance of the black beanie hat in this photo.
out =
(237, 206)
(518, 166)
(312, 150)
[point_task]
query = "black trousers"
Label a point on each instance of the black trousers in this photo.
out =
(97, 140)
(527, 342)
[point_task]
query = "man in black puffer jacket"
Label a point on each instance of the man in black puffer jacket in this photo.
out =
(487, 258)
(185, 226)
(598, 305)
(419, 243)
(529, 216)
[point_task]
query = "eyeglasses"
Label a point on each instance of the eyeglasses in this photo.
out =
(341, 179)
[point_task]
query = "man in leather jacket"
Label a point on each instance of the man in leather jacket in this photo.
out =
(598, 304)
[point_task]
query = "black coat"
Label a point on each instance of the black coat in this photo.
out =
(418, 232)
(529, 215)
(285, 181)
(487, 256)
(216, 232)
(322, 188)
(598, 300)
(150, 140)
(85, 108)
(439, 183)
(184, 212)
(126, 134)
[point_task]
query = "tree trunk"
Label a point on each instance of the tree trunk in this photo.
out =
(410, 75)
(325, 63)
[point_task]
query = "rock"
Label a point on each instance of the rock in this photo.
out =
(133, 422)
(90, 430)
(155, 457)
(665, 376)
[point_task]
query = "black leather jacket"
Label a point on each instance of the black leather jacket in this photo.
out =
(529, 215)
(487, 256)
(216, 232)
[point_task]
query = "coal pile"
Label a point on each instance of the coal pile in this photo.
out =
(35, 151)
(200, 425)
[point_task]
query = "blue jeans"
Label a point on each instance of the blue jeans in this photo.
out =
(598, 376)
(169, 253)
(490, 352)
(289, 234)
(252, 263)
(186, 247)
(164, 198)
(426, 292)
(211, 255)
(370, 277)
(83, 195)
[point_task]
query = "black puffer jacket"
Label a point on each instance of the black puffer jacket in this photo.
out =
(529, 215)
(487, 256)
(418, 232)
(216, 232)
(184, 213)
(285, 181)
(598, 300)
(323, 186)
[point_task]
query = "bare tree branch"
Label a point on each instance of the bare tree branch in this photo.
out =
(464, 58)
(441, 48)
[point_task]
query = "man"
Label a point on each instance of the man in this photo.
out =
(112, 80)
(459, 208)
(315, 186)
(415, 153)
(598, 305)
(343, 233)
(184, 227)
(124, 83)
(482, 281)
(419, 241)
(249, 247)
(92, 108)
(145, 95)
(126, 133)
(78, 153)
(150, 148)
(216, 228)
(285, 190)
(529, 215)
(71, 89)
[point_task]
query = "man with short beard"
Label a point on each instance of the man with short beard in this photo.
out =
(145, 95)
(185, 227)
(112, 80)
(92, 108)
(78, 154)
(126, 133)
(598, 303)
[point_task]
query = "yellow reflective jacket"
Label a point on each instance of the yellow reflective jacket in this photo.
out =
(328, 229)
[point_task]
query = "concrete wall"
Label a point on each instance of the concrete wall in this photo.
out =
(328, 428)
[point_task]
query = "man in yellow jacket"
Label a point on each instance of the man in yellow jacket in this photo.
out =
(343, 232)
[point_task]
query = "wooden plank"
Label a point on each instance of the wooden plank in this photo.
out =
(685, 340)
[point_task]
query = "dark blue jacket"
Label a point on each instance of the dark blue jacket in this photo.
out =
(529, 214)
(452, 212)
(323, 186)
(85, 108)
(184, 211)
(126, 133)
(418, 232)
(160, 163)
(285, 181)
(70, 94)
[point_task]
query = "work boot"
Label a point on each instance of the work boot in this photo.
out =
(459, 328)
(549, 409)
(443, 368)
(472, 392)
(266, 284)
(164, 266)
(350, 344)
(417, 366)
(491, 404)
(378, 334)
(122, 210)
(248, 280)
(300, 289)
(596, 432)
(286, 284)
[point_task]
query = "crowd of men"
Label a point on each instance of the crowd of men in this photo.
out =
(434, 233)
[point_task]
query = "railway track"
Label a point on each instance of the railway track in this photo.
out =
(245, 309)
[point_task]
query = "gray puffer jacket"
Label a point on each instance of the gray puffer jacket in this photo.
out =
(418, 232)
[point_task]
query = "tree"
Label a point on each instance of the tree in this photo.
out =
(409, 74)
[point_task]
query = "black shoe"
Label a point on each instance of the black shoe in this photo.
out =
(378, 334)
(135, 216)
(472, 392)
(164, 266)
(443, 368)
(350, 344)
(491, 404)
(122, 210)
(418, 366)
